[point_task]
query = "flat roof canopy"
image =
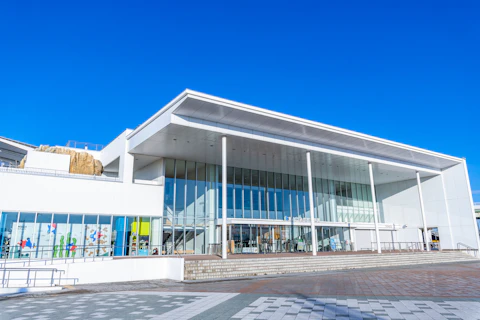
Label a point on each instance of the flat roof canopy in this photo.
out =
(191, 126)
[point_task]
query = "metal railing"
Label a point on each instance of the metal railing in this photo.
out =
(48, 254)
(56, 173)
(467, 249)
(400, 246)
(16, 255)
(215, 249)
(29, 277)
(84, 145)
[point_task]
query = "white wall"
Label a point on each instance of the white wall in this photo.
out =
(399, 203)
(33, 193)
(118, 148)
(151, 172)
(119, 270)
(47, 160)
(460, 205)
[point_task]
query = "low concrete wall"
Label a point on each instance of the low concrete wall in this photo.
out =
(119, 270)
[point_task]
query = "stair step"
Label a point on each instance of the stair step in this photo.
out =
(215, 269)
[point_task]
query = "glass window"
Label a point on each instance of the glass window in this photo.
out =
(278, 196)
(155, 245)
(131, 248)
(348, 197)
(306, 196)
(211, 201)
(180, 191)
(200, 240)
(104, 236)
(24, 235)
(293, 196)
(190, 185)
(263, 193)
(143, 236)
(118, 236)
(230, 211)
(238, 193)
(58, 232)
(286, 197)
(271, 196)
(169, 187)
(91, 235)
(74, 244)
(255, 194)
(326, 200)
(42, 237)
(247, 196)
(7, 223)
(200, 202)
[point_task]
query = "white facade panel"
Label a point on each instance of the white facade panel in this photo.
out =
(34, 193)
(47, 161)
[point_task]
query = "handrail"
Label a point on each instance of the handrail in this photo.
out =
(6, 277)
(469, 250)
(56, 173)
(401, 246)
(84, 145)
(71, 253)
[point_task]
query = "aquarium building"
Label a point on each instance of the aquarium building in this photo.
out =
(208, 175)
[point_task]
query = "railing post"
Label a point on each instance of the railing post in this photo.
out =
(28, 278)
(3, 278)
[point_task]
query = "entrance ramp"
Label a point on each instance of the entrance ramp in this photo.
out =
(238, 268)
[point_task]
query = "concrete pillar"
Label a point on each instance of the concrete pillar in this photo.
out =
(312, 208)
(224, 197)
(422, 209)
(374, 200)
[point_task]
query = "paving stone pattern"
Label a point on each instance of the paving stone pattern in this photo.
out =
(124, 305)
(332, 308)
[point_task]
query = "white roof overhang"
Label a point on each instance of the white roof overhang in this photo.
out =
(211, 117)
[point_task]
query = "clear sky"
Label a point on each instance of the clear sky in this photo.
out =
(408, 71)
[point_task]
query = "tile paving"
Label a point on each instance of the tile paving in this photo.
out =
(442, 291)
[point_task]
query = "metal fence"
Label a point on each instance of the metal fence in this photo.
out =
(467, 249)
(16, 255)
(56, 173)
(400, 246)
(84, 145)
(30, 277)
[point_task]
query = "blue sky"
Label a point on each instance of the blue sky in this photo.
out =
(408, 71)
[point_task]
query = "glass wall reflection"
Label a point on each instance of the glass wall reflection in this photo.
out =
(254, 194)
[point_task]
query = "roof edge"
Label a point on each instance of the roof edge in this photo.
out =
(286, 117)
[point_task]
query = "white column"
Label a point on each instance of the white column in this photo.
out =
(374, 200)
(310, 199)
(475, 226)
(224, 197)
(422, 208)
(448, 212)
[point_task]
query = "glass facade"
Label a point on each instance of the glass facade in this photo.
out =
(192, 207)
(48, 235)
(277, 239)
(253, 194)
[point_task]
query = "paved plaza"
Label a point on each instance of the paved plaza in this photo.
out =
(442, 291)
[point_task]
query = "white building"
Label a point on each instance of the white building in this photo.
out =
(205, 171)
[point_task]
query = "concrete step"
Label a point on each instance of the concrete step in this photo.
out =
(216, 269)
(287, 264)
(318, 258)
